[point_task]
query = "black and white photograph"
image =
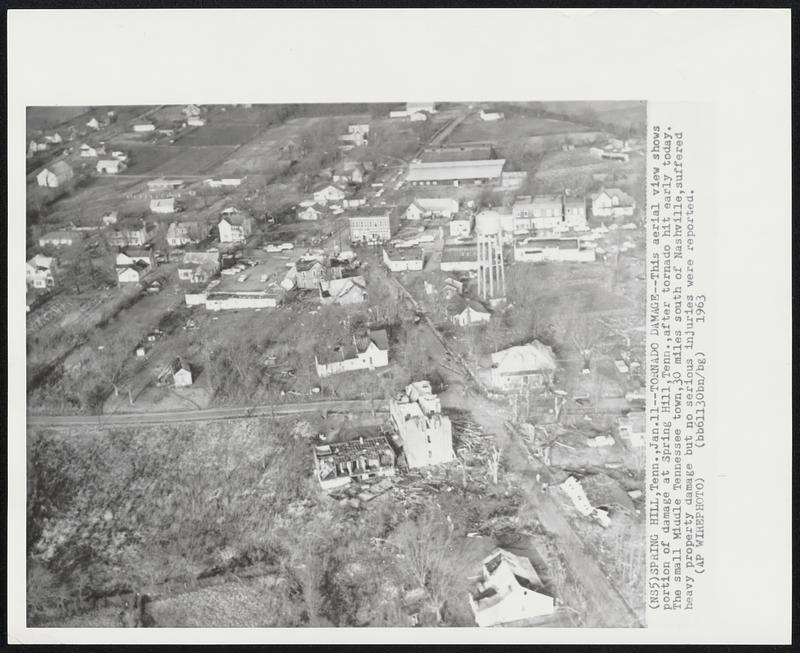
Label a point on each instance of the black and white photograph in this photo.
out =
(394, 346)
(336, 364)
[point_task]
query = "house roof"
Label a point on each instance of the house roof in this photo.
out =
(467, 152)
(303, 265)
(41, 261)
(135, 252)
(549, 243)
(477, 306)
(530, 358)
(460, 304)
(553, 198)
(575, 200)
(369, 212)
(338, 288)
(342, 452)
(405, 254)
(326, 184)
(376, 337)
(167, 201)
(350, 350)
(139, 265)
(520, 567)
(459, 253)
(622, 196)
(237, 219)
(179, 364)
(453, 170)
(436, 203)
(59, 168)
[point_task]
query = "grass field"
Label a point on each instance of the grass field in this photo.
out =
(215, 135)
(194, 160)
(103, 502)
(511, 129)
(50, 117)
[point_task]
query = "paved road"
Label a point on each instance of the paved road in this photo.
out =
(137, 419)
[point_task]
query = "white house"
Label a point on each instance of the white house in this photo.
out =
(110, 166)
(491, 116)
(132, 274)
(60, 238)
(429, 207)
(343, 292)
(470, 312)
(223, 183)
(57, 174)
(163, 205)
(367, 352)
(119, 155)
(93, 124)
(459, 258)
(426, 433)
(129, 235)
(414, 107)
(40, 271)
(513, 179)
(612, 203)
(191, 110)
(358, 129)
(329, 193)
(523, 366)
(87, 151)
(538, 249)
(34, 147)
(180, 234)
(161, 184)
(460, 225)
(356, 139)
(309, 213)
(144, 126)
(109, 218)
(131, 256)
(574, 211)
(195, 121)
(405, 259)
(510, 590)
(631, 428)
(348, 172)
(181, 373)
(354, 202)
(235, 228)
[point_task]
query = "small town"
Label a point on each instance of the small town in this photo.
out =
(343, 365)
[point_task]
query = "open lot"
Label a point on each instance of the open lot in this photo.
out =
(51, 117)
(512, 129)
(194, 161)
(211, 135)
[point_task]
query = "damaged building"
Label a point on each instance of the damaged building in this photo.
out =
(509, 591)
(426, 434)
(337, 463)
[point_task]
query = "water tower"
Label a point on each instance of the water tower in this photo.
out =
(491, 273)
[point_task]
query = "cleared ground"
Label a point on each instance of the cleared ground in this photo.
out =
(511, 129)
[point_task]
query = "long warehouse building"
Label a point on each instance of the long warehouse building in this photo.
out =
(455, 172)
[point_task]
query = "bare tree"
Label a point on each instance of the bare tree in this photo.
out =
(427, 545)
(494, 464)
